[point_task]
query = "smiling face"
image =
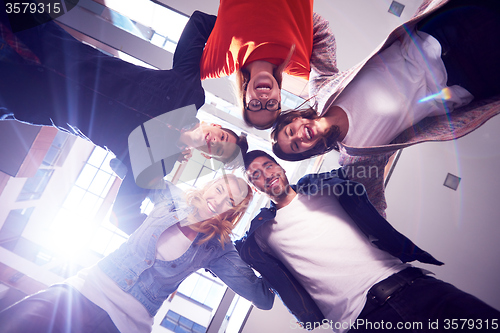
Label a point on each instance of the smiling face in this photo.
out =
(268, 177)
(216, 142)
(262, 87)
(221, 196)
(300, 135)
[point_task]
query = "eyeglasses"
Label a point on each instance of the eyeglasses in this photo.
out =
(255, 105)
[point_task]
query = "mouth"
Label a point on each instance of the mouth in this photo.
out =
(263, 87)
(309, 134)
(211, 208)
(207, 140)
(263, 83)
(273, 182)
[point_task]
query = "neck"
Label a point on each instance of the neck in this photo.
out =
(283, 200)
(336, 116)
(191, 138)
(257, 66)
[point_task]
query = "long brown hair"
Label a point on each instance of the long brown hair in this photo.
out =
(221, 225)
(242, 77)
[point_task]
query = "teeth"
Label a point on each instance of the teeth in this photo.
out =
(273, 182)
(211, 208)
(308, 133)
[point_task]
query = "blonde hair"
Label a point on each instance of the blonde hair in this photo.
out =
(221, 225)
(242, 77)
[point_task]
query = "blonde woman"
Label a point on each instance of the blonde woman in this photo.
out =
(123, 292)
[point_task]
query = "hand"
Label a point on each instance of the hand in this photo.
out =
(186, 154)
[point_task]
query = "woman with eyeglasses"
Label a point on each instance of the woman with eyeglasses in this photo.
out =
(123, 291)
(445, 59)
(259, 41)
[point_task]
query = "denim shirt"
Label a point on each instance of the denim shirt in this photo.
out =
(352, 197)
(135, 269)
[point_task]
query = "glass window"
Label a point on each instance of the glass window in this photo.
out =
(34, 186)
(179, 324)
(97, 157)
(203, 288)
(15, 223)
(100, 182)
(86, 176)
(158, 40)
(55, 149)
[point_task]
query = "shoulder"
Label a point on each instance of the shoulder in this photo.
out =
(333, 175)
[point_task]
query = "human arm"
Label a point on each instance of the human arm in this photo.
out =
(238, 276)
(190, 47)
(324, 54)
(290, 291)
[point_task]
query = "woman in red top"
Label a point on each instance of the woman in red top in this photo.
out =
(258, 40)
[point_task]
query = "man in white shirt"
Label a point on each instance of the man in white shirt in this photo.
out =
(322, 239)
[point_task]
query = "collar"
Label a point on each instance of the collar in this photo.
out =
(265, 215)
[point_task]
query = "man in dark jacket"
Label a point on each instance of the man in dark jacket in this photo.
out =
(48, 77)
(336, 262)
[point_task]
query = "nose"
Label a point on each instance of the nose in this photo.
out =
(268, 174)
(214, 141)
(218, 201)
(263, 96)
(296, 137)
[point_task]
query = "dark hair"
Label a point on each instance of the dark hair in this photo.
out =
(232, 161)
(249, 157)
(328, 143)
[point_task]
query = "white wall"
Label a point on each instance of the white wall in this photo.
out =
(460, 228)
(361, 25)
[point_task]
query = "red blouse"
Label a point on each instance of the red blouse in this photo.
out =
(251, 30)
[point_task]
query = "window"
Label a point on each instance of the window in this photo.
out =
(203, 288)
(34, 186)
(145, 19)
(73, 227)
(14, 224)
(55, 149)
(179, 324)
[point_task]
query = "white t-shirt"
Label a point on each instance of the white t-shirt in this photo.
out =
(385, 97)
(127, 313)
(172, 244)
(327, 253)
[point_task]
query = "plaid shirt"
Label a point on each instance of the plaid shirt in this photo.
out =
(16, 45)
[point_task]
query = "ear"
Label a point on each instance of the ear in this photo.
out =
(208, 157)
(216, 125)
